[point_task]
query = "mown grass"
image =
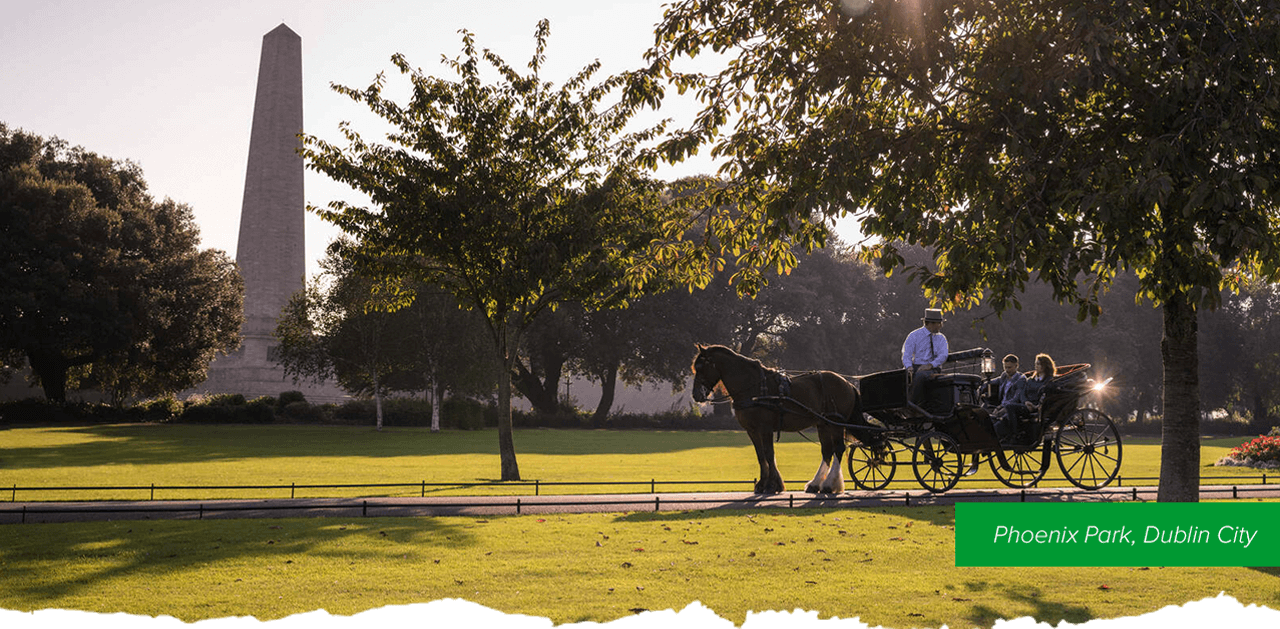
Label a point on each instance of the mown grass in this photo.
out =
(135, 455)
(889, 566)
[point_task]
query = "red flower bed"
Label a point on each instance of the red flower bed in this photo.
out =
(1262, 449)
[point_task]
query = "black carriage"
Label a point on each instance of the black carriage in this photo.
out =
(951, 432)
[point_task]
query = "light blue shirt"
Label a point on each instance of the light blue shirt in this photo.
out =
(922, 348)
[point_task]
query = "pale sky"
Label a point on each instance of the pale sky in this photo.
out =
(169, 84)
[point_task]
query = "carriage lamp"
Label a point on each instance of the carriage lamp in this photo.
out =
(988, 363)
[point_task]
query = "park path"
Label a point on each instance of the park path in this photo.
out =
(40, 512)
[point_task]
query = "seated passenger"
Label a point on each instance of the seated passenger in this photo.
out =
(1010, 389)
(1034, 392)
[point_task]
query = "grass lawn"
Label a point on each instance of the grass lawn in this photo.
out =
(136, 455)
(891, 566)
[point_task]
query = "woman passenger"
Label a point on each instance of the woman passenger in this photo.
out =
(1034, 391)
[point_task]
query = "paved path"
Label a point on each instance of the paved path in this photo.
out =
(35, 512)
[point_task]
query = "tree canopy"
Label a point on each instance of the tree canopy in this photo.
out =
(513, 196)
(1055, 140)
(102, 281)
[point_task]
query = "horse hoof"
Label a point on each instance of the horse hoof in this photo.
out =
(813, 489)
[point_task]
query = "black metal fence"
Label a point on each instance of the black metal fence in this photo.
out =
(518, 505)
(148, 492)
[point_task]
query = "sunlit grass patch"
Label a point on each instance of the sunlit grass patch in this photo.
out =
(289, 458)
(889, 566)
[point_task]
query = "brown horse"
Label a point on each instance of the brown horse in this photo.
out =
(763, 406)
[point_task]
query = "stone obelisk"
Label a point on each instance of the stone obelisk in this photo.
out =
(271, 250)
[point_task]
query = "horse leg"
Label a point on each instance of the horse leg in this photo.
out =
(819, 482)
(834, 441)
(771, 479)
(762, 481)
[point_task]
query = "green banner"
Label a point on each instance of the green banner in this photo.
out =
(1118, 534)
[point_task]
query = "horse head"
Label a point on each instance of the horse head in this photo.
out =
(705, 374)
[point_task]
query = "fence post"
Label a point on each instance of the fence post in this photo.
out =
(293, 487)
(657, 503)
(14, 497)
(517, 506)
(153, 491)
(201, 512)
(537, 487)
(652, 485)
(364, 512)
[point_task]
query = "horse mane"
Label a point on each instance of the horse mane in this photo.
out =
(721, 349)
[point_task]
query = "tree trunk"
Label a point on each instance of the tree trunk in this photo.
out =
(1258, 422)
(1180, 442)
(506, 441)
(377, 400)
(435, 407)
(542, 396)
(608, 384)
(53, 374)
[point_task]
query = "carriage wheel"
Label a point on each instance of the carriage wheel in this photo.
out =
(1021, 467)
(872, 466)
(1089, 450)
(937, 462)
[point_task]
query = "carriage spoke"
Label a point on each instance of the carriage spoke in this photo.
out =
(1024, 468)
(1089, 449)
(937, 462)
(872, 467)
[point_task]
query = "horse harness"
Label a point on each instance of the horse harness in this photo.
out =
(781, 394)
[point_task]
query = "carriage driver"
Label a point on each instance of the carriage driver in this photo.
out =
(924, 352)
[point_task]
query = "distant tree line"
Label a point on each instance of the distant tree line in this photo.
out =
(833, 311)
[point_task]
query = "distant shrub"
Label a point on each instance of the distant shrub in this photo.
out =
(300, 411)
(463, 414)
(225, 399)
(405, 412)
(289, 397)
(165, 409)
(259, 410)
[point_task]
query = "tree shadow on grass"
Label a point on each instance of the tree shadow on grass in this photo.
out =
(1042, 607)
(935, 515)
(113, 444)
(49, 562)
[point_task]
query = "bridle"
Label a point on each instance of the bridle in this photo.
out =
(700, 389)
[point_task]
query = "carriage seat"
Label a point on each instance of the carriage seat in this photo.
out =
(944, 392)
(884, 390)
(889, 390)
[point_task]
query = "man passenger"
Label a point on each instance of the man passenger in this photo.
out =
(1010, 388)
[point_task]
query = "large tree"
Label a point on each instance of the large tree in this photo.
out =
(99, 278)
(514, 195)
(1055, 140)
